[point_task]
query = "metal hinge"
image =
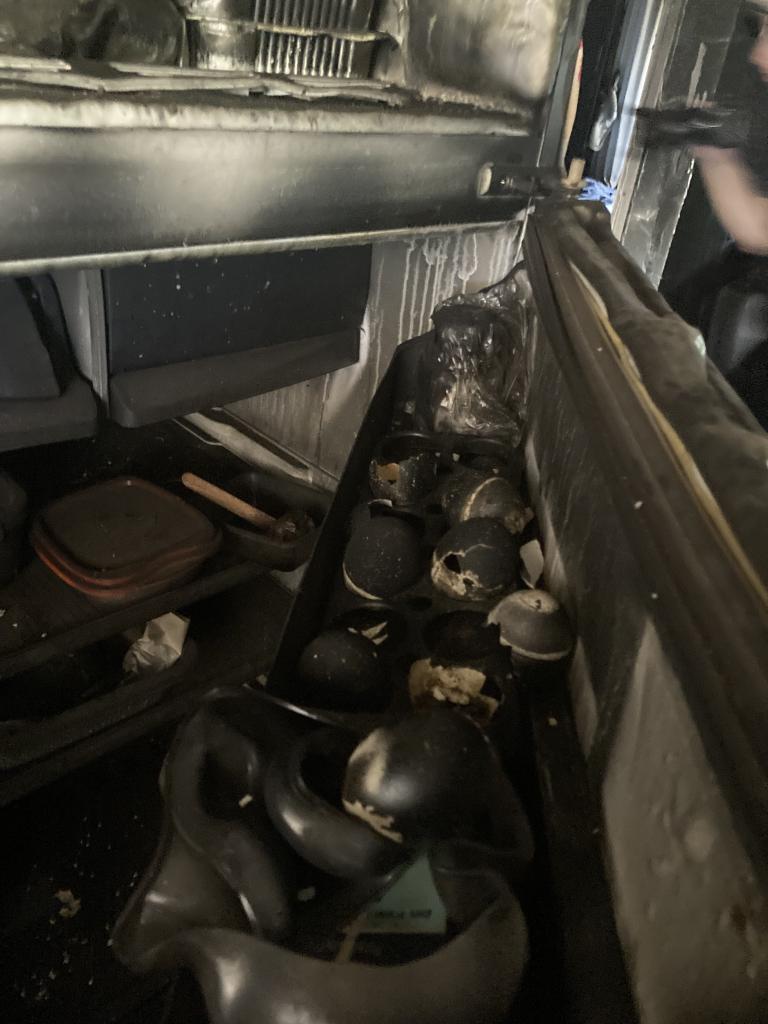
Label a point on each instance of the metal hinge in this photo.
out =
(518, 182)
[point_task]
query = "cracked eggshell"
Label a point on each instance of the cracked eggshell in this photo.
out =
(476, 495)
(419, 781)
(533, 625)
(383, 558)
(459, 686)
(403, 481)
(341, 671)
(475, 561)
(379, 623)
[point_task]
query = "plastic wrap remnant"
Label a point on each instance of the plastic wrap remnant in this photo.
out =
(159, 647)
(476, 363)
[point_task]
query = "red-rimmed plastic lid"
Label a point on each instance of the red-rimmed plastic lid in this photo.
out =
(122, 529)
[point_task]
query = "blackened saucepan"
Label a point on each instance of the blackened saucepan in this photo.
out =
(275, 495)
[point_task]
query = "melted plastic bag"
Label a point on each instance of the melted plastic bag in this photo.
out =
(476, 362)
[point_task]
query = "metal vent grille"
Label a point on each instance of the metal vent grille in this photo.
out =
(314, 38)
(352, 15)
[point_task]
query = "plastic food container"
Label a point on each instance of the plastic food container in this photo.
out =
(123, 540)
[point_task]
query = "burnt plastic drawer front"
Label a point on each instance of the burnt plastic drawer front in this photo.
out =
(25, 423)
(160, 314)
(42, 400)
(147, 396)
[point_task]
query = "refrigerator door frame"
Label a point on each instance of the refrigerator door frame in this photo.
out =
(707, 599)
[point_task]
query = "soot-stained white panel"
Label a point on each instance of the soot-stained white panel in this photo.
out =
(319, 419)
(690, 914)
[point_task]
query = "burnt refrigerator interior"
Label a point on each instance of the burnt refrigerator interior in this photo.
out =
(498, 725)
(346, 677)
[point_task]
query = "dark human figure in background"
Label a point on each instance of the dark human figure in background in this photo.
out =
(733, 179)
(728, 299)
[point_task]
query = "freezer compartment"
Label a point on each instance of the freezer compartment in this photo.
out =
(361, 123)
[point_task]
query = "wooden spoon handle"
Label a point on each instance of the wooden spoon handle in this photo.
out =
(224, 499)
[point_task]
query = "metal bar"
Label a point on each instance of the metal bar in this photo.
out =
(268, 15)
(353, 53)
(261, 52)
(191, 188)
(335, 46)
(315, 57)
(298, 42)
(290, 54)
(329, 57)
(687, 57)
(285, 45)
(135, 257)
